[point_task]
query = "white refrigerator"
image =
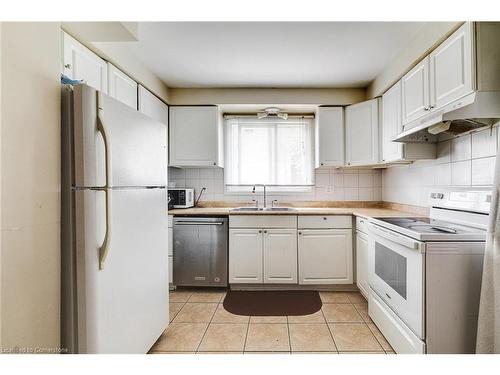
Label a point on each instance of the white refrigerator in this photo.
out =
(114, 225)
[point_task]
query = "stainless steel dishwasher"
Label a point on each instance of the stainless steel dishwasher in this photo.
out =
(200, 251)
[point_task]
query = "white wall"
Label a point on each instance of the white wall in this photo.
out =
(427, 38)
(30, 185)
(331, 185)
(466, 161)
(341, 96)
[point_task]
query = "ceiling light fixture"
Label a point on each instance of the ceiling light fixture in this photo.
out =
(272, 112)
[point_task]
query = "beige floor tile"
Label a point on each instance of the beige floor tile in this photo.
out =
(356, 297)
(267, 337)
(268, 319)
(380, 337)
(179, 295)
(341, 312)
(309, 353)
(174, 308)
(219, 353)
(362, 353)
(180, 353)
(196, 313)
(224, 338)
(210, 296)
(334, 297)
(316, 317)
(362, 309)
(354, 337)
(266, 353)
(311, 338)
(224, 316)
(180, 337)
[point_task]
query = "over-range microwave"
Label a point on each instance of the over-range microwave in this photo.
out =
(181, 198)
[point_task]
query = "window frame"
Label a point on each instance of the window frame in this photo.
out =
(238, 189)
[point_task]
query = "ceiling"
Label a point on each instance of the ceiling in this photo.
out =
(269, 54)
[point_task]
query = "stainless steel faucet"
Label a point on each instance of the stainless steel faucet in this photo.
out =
(264, 187)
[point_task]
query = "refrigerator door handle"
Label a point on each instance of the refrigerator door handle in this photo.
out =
(104, 249)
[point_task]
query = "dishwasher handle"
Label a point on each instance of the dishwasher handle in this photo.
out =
(198, 223)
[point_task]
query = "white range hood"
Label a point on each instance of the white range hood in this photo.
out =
(476, 110)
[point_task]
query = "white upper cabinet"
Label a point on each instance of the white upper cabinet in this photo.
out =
(362, 134)
(330, 137)
(122, 87)
(451, 68)
(194, 136)
(150, 105)
(415, 89)
(391, 124)
(447, 74)
(80, 63)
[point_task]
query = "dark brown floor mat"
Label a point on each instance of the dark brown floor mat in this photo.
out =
(272, 303)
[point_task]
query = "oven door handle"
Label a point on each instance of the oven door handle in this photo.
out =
(395, 237)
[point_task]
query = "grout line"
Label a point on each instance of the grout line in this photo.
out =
(329, 330)
(374, 335)
(289, 338)
(246, 335)
(206, 329)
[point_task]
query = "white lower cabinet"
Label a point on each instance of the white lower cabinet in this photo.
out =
(362, 262)
(245, 256)
(280, 256)
(325, 256)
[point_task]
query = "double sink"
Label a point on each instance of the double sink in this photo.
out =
(268, 209)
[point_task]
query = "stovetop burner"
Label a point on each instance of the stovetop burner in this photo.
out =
(429, 228)
(425, 225)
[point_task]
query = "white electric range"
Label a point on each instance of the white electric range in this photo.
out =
(425, 274)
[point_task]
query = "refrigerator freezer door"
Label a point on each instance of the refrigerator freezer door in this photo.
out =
(137, 144)
(122, 308)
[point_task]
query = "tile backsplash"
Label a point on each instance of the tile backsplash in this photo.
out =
(330, 185)
(466, 161)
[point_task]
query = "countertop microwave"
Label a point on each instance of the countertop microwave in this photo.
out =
(181, 198)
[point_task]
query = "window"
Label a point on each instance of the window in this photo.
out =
(269, 151)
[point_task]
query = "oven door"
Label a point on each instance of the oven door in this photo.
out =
(397, 274)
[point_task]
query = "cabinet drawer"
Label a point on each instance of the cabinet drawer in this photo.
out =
(401, 338)
(362, 224)
(325, 222)
(262, 221)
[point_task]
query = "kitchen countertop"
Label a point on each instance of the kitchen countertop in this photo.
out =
(364, 212)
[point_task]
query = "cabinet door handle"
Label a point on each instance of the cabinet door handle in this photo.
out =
(265, 231)
(300, 233)
(431, 107)
(260, 231)
(67, 66)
